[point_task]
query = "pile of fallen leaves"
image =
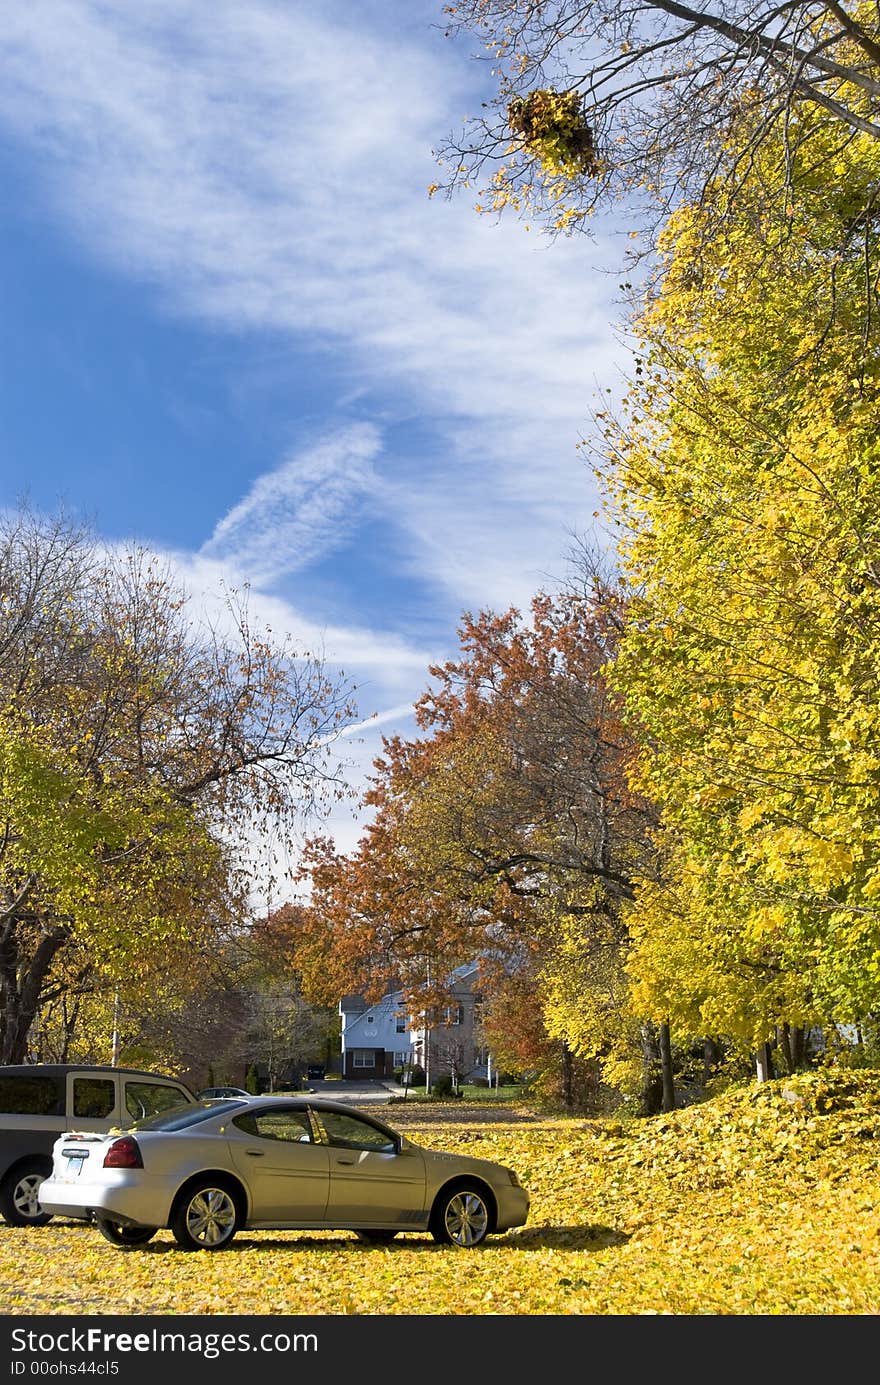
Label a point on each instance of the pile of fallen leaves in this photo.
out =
(765, 1200)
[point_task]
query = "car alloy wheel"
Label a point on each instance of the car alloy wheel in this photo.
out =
(126, 1236)
(19, 1196)
(461, 1218)
(206, 1218)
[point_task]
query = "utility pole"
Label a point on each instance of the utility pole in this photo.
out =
(428, 1039)
(115, 1040)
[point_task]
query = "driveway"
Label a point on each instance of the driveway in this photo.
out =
(358, 1093)
(420, 1114)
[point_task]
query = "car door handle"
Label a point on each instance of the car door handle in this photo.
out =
(345, 1161)
(257, 1153)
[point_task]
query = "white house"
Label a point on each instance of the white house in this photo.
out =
(378, 1038)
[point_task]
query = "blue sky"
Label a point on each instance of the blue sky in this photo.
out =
(236, 328)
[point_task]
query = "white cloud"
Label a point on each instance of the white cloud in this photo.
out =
(387, 675)
(391, 714)
(299, 511)
(265, 166)
(381, 659)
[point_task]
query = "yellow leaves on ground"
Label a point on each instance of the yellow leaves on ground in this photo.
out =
(763, 1200)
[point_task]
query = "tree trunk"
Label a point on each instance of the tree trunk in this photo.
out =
(792, 1042)
(567, 1077)
(667, 1075)
(764, 1063)
(652, 1076)
(69, 1017)
(21, 986)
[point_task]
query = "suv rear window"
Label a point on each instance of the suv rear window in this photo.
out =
(31, 1096)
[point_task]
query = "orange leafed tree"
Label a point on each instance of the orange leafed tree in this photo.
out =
(511, 806)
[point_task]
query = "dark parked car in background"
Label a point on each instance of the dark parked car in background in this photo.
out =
(40, 1100)
(214, 1093)
(316, 1072)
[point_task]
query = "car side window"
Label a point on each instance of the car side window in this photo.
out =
(291, 1126)
(149, 1098)
(93, 1097)
(351, 1133)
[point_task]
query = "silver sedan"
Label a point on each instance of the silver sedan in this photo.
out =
(275, 1163)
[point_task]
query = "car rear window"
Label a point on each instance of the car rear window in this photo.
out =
(183, 1116)
(31, 1096)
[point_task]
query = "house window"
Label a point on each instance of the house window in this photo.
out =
(369, 1019)
(400, 1026)
(365, 1058)
(455, 1014)
(401, 1060)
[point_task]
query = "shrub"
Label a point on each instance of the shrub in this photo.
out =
(442, 1087)
(415, 1076)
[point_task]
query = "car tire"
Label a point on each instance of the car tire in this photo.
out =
(375, 1238)
(127, 1237)
(205, 1216)
(462, 1216)
(19, 1201)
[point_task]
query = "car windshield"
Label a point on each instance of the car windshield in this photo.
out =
(179, 1117)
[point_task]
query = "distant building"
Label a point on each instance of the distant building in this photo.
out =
(377, 1039)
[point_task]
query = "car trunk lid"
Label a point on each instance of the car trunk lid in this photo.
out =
(78, 1151)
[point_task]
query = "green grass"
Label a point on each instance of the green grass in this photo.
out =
(469, 1094)
(511, 1093)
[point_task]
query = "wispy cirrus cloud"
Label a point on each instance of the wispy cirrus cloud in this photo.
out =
(264, 167)
(300, 511)
(383, 663)
(386, 675)
(261, 168)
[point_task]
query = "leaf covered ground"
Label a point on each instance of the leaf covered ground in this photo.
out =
(765, 1200)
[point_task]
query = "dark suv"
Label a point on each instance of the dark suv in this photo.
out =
(40, 1101)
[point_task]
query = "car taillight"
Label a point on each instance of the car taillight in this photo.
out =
(124, 1153)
